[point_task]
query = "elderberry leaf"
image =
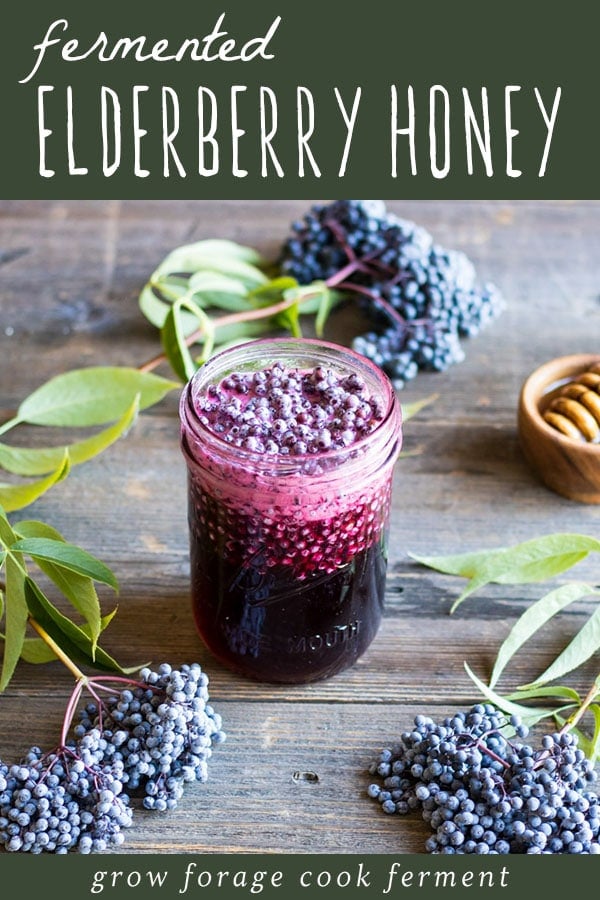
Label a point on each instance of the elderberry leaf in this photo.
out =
(71, 638)
(534, 617)
(534, 560)
(238, 332)
(40, 460)
(317, 299)
(581, 648)
(66, 556)
(28, 528)
(15, 619)
(35, 650)
(325, 306)
(16, 496)
(173, 285)
(567, 693)
(7, 535)
(215, 255)
(92, 396)
(290, 320)
(212, 289)
(173, 337)
(78, 589)
(155, 301)
(272, 291)
(529, 715)
(594, 752)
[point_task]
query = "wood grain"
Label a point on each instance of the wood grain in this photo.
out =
(70, 273)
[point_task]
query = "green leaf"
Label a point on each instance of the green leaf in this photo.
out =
(15, 622)
(173, 342)
(157, 296)
(154, 308)
(66, 556)
(32, 528)
(534, 617)
(535, 560)
(39, 460)
(594, 751)
(315, 298)
(78, 589)
(290, 320)
(273, 291)
(239, 331)
(16, 496)
(225, 257)
(7, 535)
(212, 289)
(567, 693)
(583, 646)
(311, 297)
(174, 339)
(36, 650)
(174, 286)
(92, 396)
(30, 460)
(325, 307)
(409, 410)
(510, 562)
(191, 257)
(529, 715)
(72, 639)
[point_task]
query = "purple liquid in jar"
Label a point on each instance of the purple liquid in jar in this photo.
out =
(290, 446)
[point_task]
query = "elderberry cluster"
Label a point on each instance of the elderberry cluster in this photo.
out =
(145, 740)
(483, 792)
(423, 298)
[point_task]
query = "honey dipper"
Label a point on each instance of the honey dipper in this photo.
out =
(575, 409)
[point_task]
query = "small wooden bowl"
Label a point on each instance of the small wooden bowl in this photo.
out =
(568, 466)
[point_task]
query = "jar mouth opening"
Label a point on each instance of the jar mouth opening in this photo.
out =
(314, 352)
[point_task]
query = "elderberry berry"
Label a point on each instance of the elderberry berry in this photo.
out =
(152, 736)
(69, 799)
(422, 298)
(160, 732)
(482, 790)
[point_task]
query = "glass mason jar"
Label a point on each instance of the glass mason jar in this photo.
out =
(288, 553)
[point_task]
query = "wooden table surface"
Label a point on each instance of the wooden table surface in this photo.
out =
(70, 274)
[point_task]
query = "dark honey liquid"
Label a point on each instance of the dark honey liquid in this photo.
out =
(267, 623)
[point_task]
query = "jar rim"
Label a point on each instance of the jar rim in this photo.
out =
(389, 426)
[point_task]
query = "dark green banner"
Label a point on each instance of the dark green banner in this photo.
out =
(310, 876)
(230, 99)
